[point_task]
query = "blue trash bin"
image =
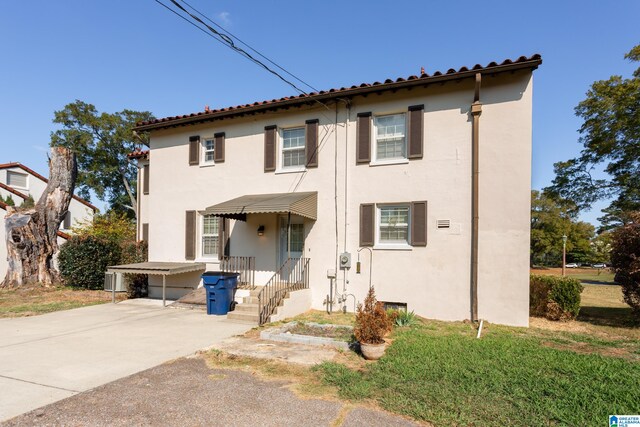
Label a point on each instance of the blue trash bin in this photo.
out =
(221, 287)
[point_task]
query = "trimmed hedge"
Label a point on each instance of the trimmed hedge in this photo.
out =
(554, 297)
(82, 261)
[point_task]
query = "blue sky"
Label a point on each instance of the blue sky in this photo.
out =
(121, 54)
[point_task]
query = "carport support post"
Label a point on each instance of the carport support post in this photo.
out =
(113, 288)
(164, 286)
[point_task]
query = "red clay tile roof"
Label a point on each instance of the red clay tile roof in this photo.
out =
(14, 191)
(36, 174)
(138, 154)
(522, 62)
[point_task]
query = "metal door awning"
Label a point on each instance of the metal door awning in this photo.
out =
(156, 268)
(304, 204)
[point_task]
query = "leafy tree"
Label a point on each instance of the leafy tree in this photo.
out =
(101, 142)
(111, 226)
(625, 259)
(28, 203)
(551, 218)
(610, 136)
(601, 248)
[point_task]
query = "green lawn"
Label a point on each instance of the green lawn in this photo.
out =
(440, 373)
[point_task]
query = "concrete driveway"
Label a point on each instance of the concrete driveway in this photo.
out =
(50, 357)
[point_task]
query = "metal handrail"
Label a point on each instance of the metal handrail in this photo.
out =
(291, 276)
(245, 265)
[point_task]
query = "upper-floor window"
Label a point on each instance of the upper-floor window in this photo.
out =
(208, 150)
(390, 137)
(210, 234)
(17, 179)
(293, 148)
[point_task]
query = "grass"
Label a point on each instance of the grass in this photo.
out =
(39, 300)
(335, 332)
(585, 275)
(440, 373)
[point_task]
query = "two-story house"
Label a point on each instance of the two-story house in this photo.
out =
(419, 186)
(18, 182)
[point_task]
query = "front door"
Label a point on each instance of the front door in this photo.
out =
(290, 246)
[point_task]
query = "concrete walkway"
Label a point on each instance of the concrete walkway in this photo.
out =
(50, 357)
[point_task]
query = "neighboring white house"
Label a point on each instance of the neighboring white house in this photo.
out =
(425, 180)
(20, 182)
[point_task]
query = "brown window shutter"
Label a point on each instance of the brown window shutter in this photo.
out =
(419, 223)
(67, 220)
(145, 232)
(416, 131)
(311, 142)
(367, 224)
(270, 148)
(190, 236)
(363, 138)
(223, 237)
(145, 179)
(194, 150)
(218, 149)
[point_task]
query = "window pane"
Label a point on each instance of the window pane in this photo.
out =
(209, 146)
(297, 237)
(209, 245)
(293, 158)
(293, 138)
(16, 179)
(394, 224)
(209, 225)
(390, 137)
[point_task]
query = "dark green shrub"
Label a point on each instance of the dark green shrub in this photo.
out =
(82, 261)
(132, 252)
(625, 260)
(554, 297)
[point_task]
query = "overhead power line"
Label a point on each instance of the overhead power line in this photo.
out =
(248, 46)
(227, 41)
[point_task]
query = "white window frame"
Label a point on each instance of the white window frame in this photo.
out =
(391, 160)
(26, 180)
(281, 150)
(202, 235)
(205, 151)
(379, 244)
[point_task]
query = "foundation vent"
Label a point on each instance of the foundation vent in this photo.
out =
(443, 223)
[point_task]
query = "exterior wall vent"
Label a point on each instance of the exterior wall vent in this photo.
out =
(443, 223)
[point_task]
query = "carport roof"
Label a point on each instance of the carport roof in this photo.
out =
(304, 204)
(160, 268)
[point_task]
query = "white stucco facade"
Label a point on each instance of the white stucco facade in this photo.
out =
(432, 280)
(32, 184)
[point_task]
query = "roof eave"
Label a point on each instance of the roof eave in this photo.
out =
(531, 64)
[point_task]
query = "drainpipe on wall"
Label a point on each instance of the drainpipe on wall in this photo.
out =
(476, 110)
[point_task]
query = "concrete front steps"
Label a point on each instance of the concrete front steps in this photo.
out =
(248, 310)
(296, 302)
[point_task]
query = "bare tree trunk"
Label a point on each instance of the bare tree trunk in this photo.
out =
(32, 234)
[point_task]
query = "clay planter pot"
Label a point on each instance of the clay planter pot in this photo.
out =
(372, 351)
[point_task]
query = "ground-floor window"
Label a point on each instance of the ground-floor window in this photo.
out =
(210, 230)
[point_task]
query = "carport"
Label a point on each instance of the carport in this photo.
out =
(154, 268)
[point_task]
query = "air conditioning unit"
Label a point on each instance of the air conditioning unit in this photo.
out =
(121, 285)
